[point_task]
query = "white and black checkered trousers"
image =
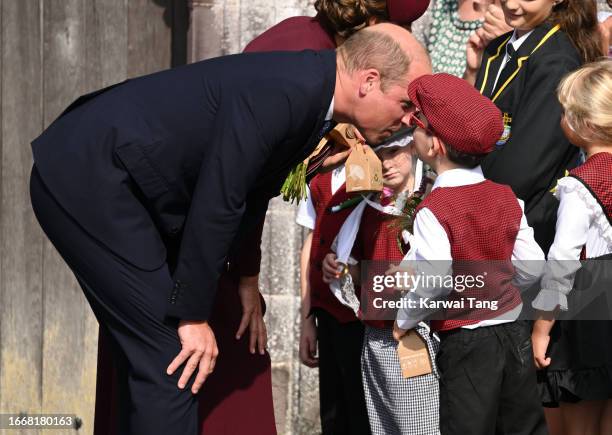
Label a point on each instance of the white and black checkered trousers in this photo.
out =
(397, 405)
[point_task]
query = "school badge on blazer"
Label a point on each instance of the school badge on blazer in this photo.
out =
(505, 137)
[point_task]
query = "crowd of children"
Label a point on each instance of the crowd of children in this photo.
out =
(522, 152)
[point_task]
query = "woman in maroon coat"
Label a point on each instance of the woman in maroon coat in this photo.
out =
(237, 397)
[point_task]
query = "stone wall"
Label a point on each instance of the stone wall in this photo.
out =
(295, 386)
(221, 27)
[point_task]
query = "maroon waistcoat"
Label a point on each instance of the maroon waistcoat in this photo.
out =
(326, 228)
(377, 240)
(596, 175)
(482, 222)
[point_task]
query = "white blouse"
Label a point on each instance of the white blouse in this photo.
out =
(580, 222)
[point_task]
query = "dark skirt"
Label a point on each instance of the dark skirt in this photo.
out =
(581, 363)
(581, 350)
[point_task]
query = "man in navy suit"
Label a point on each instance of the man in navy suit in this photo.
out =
(145, 188)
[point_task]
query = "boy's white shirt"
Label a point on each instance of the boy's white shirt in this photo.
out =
(307, 215)
(345, 240)
(343, 288)
(430, 243)
(330, 110)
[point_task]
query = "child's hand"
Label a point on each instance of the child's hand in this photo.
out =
(540, 342)
(331, 268)
(398, 332)
(402, 268)
(359, 136)
(337, 156)
(474, 48)
(540, 336)
(494, 24)
(308, 343)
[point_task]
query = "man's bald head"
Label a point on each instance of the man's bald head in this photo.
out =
(390, 49)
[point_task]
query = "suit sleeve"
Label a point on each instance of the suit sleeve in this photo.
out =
(239, 147)
(530, 161)
(248, 258)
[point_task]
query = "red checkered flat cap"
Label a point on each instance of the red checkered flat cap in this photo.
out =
(457, 113)
(404, 12)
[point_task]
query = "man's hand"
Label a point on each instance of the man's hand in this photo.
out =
(398, 332)
(252, 314)
(199, 351)
(308, 342)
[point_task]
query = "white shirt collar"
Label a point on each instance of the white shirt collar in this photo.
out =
(459, 177)
(330, 111)
(517, 42)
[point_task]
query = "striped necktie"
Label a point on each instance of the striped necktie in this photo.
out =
(315, 163)
(510, 52)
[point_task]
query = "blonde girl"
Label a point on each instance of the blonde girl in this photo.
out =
(578, 357)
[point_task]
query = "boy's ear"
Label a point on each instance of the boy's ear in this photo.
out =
(438, 146)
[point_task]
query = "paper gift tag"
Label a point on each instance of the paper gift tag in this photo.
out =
(343, 134)
(363, 170)
(375, 164)
(413, 355)
(340, 134)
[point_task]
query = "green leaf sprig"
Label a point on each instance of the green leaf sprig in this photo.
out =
(294, 187)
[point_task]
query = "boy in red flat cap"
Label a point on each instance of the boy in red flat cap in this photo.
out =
(487, 377)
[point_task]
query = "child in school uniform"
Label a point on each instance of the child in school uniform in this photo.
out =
(334, 342)
(520, 72)
(487, 381)
(579, 357)
(395, 405)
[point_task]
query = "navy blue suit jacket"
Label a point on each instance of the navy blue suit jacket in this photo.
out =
(194, 152)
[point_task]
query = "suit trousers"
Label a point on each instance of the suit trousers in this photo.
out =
(130, 304)
(343, 407)
(488, 382)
